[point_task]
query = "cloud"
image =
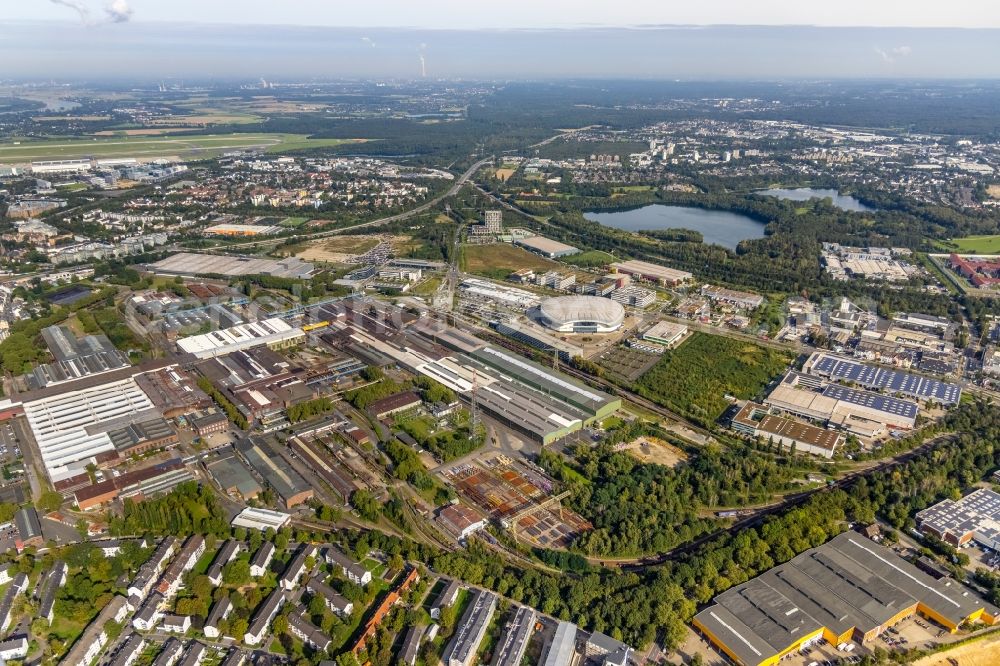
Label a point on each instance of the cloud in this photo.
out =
(76, 6)
(893, 54)
(368, 41)
(118, 11)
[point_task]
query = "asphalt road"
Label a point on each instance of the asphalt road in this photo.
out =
(452, 191)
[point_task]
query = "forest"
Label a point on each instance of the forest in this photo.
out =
(189, 509)
(695, 378)
(637, 606)
(638, 508)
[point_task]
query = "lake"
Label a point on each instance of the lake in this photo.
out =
(841, 201)
(716, 226)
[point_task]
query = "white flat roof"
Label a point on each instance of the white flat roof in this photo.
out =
(261, 519)
(59, 423)
(228, 340)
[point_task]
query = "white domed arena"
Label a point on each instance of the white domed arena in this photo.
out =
(581, 314)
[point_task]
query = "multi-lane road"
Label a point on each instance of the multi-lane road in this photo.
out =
(382, 221)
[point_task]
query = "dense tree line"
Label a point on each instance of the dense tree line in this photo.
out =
(309, 409)
(638, 508)
(188, 509)
(234, 414)
(366, 395)
(695, 378)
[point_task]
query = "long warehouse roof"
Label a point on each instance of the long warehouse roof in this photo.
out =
(60, 423)
(848, 583)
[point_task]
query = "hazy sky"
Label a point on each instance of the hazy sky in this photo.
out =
(465, 14)
(512, 39)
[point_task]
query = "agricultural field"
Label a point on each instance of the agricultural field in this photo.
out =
(500, 260)
(993, 191)
(193, 147)
(695, 378)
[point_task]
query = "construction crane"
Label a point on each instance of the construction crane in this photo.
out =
(524, 513)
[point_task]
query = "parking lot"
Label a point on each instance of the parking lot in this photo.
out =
(914, 632)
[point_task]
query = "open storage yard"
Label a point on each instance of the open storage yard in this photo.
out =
(625, 364)
(504, 488)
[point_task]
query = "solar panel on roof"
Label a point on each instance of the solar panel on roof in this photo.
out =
(882, 378)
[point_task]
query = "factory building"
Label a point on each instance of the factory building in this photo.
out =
(836, 368)
(743, 300)
(74, 357)
(863, 413)
(595, 404)
(546, 247)
(849, 589)
(276, 472)
(64, 424)
(276, 333)
(975, 517)
(190, 264)
(755, 420)
(241, 230)
(562, 649)
(510, 297)
(536, 337)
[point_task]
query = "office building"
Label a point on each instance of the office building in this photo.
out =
(654, 273)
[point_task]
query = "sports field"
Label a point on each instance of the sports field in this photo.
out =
(976, 244)
(189, 147)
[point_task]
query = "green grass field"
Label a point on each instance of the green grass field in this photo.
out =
(190, 147)
(500, 260)
(293, 222)
(973, 244)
